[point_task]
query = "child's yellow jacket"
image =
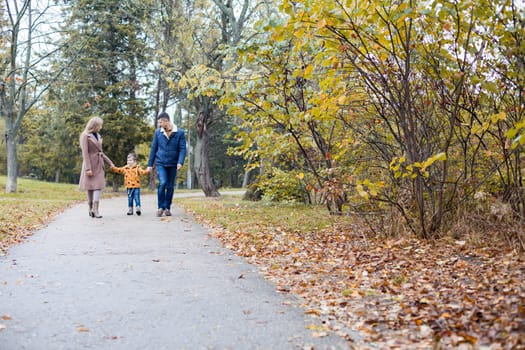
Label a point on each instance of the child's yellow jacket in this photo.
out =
(131, 175)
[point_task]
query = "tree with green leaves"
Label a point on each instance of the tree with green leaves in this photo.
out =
(169, 60)
(285, 125)
(27, 45)
(46, 151)
(107, 77)
(216, 31)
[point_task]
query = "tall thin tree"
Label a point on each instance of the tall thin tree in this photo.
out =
(23, 80)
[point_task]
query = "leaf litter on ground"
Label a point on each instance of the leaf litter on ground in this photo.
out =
(397, 293)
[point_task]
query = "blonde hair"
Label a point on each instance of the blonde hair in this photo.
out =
(92, 125)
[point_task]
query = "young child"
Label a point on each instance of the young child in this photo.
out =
(132, 173)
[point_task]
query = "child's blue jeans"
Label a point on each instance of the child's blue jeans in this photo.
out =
(133, 195)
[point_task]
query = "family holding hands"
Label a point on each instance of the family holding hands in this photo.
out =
(168, 151)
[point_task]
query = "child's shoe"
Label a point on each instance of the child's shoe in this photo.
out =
(130, 211)
(138, 211)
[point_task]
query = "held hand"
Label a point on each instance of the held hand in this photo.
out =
(179, 166)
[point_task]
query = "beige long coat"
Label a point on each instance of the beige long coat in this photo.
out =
(92, 159)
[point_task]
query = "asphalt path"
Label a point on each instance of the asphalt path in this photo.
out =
(142, 282)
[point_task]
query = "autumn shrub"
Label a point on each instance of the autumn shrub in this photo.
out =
(487, 219)
(280, 186)
(368, 110)
(253, 193)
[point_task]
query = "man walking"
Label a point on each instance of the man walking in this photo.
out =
(168, 151)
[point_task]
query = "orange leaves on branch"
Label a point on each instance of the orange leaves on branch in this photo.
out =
(321, 24)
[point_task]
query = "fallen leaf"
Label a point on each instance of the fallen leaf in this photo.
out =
(425, 331)
(319, 334)
(313, 312)
(314, 327)
(111, 337)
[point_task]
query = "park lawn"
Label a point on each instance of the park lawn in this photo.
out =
(33, 205)
(397, 292)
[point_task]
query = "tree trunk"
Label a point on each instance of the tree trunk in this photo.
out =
(12, 161)
(246, 177)
(153, 175)
(189, 152)
(202, 166)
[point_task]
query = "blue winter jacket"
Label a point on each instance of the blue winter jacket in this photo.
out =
(167, 152)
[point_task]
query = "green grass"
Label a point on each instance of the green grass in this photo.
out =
(35, 189)
(233, 213)
(34, 203)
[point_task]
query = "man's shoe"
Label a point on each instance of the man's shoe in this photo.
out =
(130, 211)
(138, 211)
(160, 212)
(167, 212)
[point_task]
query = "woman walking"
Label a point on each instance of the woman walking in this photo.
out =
(93, 158)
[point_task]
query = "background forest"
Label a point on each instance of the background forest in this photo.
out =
(410, 110)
